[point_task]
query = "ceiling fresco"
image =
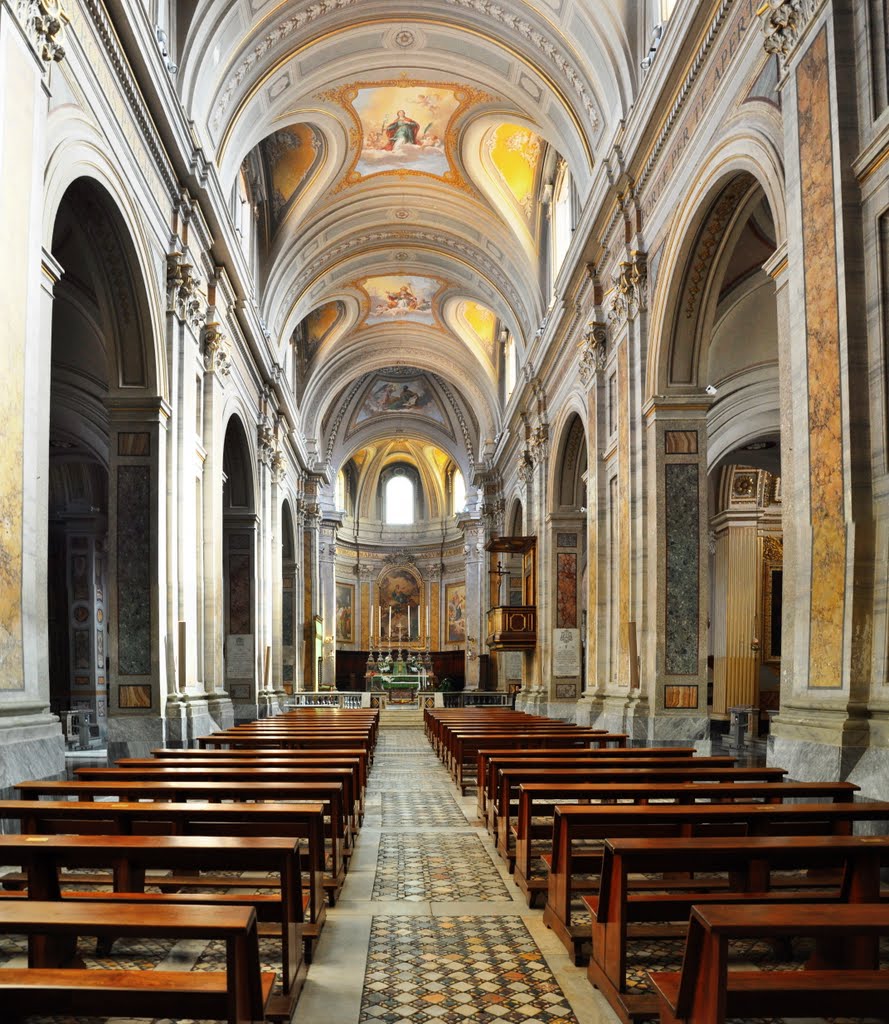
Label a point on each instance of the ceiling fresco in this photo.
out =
(515, 153)
(397, 160)
(405, 126)
(413, 396)
(400, 299)
(289, 155)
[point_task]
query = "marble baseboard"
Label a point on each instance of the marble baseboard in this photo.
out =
(136, 736)
(810, 761)
(563, 710)
(246, 712)
(220, 711)
(31, 747)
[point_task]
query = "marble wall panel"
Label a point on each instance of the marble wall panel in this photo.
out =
(566, 590)
(682, 568)
(239, 580)
(823, 351)
(134, 570)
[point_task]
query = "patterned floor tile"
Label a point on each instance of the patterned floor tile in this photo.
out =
(454, 969)
(422, 867)
(429, 810)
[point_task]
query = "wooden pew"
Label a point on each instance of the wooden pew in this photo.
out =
(575, 824)
(347, 777)
(536, 758)
(238, 995)
(538, 801)
(327, 793)
(844, 868)
(509, 773)
(706, 990)
(462, 748)
(130, 857)
(118, 817)
(268, 754)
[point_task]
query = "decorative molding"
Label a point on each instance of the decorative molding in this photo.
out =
(43, 22)
(278, 466)
(117, 60)
(400, 557)
(183, 291)
(783, 22)
(217, 356)
(630, 295)
(486, 8)
(538, 443)
(594, 351)
(461, 419)
(684, 92)
(525, 467)
(474, 256)
(497, 12)
(265, 442)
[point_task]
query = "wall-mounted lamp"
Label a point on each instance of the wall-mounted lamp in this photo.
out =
(648, 60)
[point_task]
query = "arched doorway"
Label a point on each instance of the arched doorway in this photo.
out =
(105, 448)
(721, 455)
(239, 572)
(568, 547)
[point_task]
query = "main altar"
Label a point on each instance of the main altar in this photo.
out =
(402, 671)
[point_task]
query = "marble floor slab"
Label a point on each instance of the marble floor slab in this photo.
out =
(429, 810)
(457, 969)
(429, 866)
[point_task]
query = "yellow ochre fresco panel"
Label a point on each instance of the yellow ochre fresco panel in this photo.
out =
(15, 205)
(823, 349)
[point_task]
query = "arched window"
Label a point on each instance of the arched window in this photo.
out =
(509, 365)
(458, 492)
(340, 492)
(398, 501)
(561, 215)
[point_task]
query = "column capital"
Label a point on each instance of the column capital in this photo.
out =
(43, 22)
(784, 22)
(593, 351)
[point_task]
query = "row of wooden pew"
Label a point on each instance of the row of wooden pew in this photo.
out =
(655, 842)
(246, 837)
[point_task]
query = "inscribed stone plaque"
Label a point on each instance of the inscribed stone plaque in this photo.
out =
(566, 540)
(566, 652)
(239, 660)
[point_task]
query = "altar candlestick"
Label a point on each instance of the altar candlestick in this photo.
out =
(390, 620)
(427, 623)
(408, 622)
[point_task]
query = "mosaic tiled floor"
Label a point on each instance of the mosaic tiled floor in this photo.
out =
(429, 866)
(457, 969)
(429, 810)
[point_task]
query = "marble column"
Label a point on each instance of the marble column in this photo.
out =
(30, 737)
(736, 571)
(476, 594)
(327, 576)
(216, 375)
(822, 729)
